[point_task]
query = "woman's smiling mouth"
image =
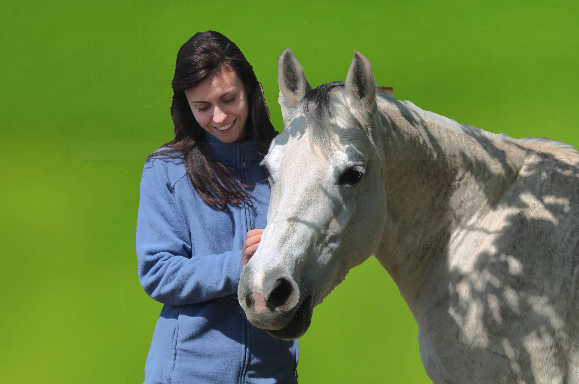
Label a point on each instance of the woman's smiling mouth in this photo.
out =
(226, 127)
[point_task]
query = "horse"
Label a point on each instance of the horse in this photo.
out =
(479, 231)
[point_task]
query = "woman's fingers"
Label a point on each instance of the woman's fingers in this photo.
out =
(252, 240)
(254, 232)
(251, 249)
(253, 236)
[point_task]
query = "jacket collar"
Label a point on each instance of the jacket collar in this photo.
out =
(233, 154)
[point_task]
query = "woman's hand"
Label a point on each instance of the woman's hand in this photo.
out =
(251, 242)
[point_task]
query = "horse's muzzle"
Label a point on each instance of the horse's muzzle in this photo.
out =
(272, 301)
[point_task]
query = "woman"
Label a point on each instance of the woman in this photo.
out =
(203, 200)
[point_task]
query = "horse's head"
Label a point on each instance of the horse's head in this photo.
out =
(327, 197)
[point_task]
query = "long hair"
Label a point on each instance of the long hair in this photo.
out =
(201, 56)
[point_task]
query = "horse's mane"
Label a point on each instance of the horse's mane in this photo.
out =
(320, 105)
(431, 117)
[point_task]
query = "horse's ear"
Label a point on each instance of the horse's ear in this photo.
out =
(360, 81)
(291, 79)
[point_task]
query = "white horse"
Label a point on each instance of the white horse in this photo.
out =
(479, 231)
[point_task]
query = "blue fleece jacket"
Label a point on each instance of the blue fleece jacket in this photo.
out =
(189, 259)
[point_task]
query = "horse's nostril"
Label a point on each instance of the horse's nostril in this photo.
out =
(280, 293)
(249, 300)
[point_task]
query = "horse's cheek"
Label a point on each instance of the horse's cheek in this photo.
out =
(370, 216)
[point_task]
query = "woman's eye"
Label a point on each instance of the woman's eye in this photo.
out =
(229, 101)
(203, 109)
(352, 175)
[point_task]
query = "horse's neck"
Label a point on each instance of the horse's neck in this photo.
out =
(436, 178)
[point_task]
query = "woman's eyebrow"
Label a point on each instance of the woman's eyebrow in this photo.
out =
(226, 93)
(206, 102)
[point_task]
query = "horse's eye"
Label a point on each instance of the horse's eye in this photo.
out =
(351, 175)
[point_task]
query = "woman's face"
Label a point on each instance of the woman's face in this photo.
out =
(219, 104)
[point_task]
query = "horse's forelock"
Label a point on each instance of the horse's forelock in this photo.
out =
(329, 117)
(318, 101)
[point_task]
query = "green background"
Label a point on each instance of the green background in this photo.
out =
(85, 96)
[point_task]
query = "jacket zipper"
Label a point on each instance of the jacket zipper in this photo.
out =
(245, 207)
(242, 157)
(245, 325)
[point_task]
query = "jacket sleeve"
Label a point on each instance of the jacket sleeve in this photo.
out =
(166, 269)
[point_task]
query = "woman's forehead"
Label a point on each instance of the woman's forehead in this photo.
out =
(216, 85)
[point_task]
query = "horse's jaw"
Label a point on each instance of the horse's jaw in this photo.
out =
(299, 323)
(286, 312)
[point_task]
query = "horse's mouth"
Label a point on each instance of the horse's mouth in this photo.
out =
(299, 323)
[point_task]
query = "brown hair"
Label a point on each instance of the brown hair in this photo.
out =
(202, 55)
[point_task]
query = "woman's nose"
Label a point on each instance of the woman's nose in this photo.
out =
(218, 115)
